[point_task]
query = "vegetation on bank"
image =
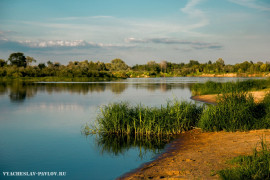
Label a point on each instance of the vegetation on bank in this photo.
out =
(236, 111)
(19, 66)
(255, 166)
(122, 118)
(211, 87)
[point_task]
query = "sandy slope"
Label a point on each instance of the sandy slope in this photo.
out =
(198, 155)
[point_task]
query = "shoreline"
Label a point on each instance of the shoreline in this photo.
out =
(184, 157)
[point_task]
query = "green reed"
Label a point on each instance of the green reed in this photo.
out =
(255, 166)
(173, 118)
(211, 87)
(236, 111)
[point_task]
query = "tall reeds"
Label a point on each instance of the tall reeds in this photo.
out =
(211, 87)
(173, 118)
(236, 111)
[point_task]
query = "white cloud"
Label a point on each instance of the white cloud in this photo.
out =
(57, 43)
(174, 41)
(65, 43)
(254, 4)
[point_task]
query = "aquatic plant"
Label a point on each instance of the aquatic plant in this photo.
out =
(255, 166)
(173, 118)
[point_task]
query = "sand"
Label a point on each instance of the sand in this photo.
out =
(199, 155)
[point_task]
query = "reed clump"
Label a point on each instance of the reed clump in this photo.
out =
(173, 118)
(211, 87)
(236, 111)
(255, 166)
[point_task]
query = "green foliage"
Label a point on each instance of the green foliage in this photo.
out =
(2, 63)
(174, 118)
(118, 65)
(211, 87)
(122, 70)
(256, 166)
(236, 111)
(18, 59)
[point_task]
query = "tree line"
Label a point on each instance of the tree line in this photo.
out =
(18, 65)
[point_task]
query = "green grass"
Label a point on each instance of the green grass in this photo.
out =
(173, 118)
(255, 166)
(211, 87)
(236, 111)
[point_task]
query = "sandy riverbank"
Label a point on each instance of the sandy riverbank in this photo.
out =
(198, 155)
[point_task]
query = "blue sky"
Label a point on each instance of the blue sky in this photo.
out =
(136, 31)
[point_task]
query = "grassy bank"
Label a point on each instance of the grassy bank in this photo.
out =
(255, 166)
(236, 111)
(211, 87)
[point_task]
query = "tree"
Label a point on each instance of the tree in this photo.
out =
(18, 59)
(118, 64)
(163, 65)
(41, 65)
(30, 60)
(2, 62)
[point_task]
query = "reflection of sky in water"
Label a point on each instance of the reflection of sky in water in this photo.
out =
(42, 130)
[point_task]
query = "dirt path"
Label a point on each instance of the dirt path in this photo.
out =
(198, 155)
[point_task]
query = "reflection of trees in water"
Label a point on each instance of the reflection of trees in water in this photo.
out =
(119, 144)
(118, 88)
(79, 88)
(19, 90)
(162, 86)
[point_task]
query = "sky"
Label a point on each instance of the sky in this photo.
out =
(136, 31)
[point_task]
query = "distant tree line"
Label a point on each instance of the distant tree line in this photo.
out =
(18, 65)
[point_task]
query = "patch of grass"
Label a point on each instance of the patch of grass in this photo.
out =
(173, 118)
(256, 166)
(211, 87)
(236, 111)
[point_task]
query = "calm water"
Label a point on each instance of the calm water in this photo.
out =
(41, 123)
